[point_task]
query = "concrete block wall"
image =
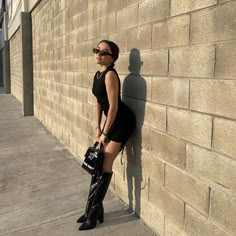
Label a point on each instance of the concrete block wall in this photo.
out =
(16, 65)
(178, 71)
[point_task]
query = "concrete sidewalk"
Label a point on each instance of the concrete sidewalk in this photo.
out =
(43, 188)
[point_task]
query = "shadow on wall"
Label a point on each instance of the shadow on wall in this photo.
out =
(134, 87)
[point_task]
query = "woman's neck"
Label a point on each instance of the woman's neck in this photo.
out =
(103, 67)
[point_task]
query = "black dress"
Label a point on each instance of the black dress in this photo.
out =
(124, 122)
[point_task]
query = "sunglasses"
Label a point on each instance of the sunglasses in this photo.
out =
(101, 52)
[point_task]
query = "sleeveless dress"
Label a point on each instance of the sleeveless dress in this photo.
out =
(124, 122)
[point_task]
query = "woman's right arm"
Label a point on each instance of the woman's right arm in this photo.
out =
(98, 120)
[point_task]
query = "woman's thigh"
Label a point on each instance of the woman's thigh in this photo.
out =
(111, 151)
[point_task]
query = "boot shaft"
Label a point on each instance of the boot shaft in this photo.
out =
(102, 187)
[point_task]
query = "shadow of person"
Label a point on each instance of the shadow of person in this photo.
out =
(118, 217)
(134, 95)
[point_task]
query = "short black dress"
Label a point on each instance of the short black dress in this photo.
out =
(124, 122)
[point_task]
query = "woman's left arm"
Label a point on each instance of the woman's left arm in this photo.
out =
(112, 87)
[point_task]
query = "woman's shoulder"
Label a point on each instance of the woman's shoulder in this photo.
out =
(111, 71)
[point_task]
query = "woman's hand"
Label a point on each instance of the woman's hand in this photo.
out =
(103, 139)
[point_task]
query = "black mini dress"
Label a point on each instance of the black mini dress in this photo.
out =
(124, 122)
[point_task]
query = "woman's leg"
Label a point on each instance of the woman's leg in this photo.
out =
(111, 151)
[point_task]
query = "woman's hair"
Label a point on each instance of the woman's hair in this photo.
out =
(114, 49)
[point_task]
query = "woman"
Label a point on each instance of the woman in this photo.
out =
(118, 127)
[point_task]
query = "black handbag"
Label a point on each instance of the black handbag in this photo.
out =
(93, 160)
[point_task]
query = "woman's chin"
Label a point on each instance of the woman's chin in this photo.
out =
(98, 61)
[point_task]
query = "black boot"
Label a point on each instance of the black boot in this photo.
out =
(96, 211)
(92, 190)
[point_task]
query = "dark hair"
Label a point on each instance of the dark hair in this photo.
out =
(114, 49)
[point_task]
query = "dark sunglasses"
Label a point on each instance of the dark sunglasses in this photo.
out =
(101, 52)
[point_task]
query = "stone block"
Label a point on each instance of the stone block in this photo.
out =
(127, 18)
(171, 206)
(171, 33)
(225, 60)
(189, 189)
(220, 24)
(99, 9)
(152, 167)
(216, 97)
(142, 137)
(224, 136)
(81, 5)
(152, 216)
(151, 114)
(68, 77)
(88, 81)
(120, 38)
(190, 126)
(62, 5)
(138, 87)
(222, 1)
(81, 64)
(68, 52)
(211, 167)
(140, 37)
(93, 30)
(114, 5)
(82, 49)
(223, 210)
(93, 67)
(123, 63)
(172, 229)
(82, 18)
(184, 6)
(88, 111)
(194, 61)
(91, 98)
(75, 22)
(82, 94)
(154, 62)
(197, 224)
(153, 10)
(78, 79)
(117, 167)
(120, 187)
(130, 2)
(108, 25)
(167, 148)
(73, 92)
(16, 82)
(170, 91)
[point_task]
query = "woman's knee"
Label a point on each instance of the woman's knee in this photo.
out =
(108, 163)
(111, 151)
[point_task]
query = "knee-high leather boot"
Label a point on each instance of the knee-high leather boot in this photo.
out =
(92, 190)
(96, 211)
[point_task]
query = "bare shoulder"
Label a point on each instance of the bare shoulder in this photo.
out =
(111, 77)
(111, 73)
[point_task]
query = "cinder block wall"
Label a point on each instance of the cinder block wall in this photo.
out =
(178, 71)
(16, 65)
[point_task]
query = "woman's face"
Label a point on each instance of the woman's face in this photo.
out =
(103, 59)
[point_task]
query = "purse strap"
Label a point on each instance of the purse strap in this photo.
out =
(96, 144)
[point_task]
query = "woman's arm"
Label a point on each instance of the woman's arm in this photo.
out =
(98, 120)
(112, 87)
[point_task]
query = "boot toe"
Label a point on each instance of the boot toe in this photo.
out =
(82, 219)
(86, 226)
